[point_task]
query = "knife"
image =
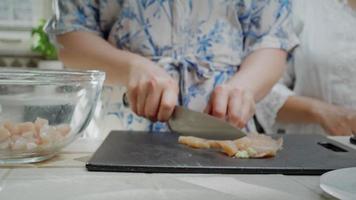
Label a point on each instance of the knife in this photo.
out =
(191, 123)
(187, 122)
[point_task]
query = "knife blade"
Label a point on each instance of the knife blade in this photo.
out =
(191, 123)
(187, 122)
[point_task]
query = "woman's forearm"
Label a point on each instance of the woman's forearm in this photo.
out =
(83, 50)
(260, 71)
(298, 109)
(335, 120)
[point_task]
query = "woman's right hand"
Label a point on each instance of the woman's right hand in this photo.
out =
(152, 92)
(336, 120)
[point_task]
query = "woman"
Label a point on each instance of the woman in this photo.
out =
(217, 55)
(318, 92)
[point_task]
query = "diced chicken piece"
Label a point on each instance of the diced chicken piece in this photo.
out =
(58, 137)
(64, 129)
(28, 134)
(194, 142)
(4, 134)
(26, 127)
(14, 129)
(31, 138)
(39, 124)
(46, 134)
(51, 135)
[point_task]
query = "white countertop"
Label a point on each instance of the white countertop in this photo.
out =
(65, 177)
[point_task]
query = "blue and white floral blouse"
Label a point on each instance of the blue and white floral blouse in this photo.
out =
(201, 43)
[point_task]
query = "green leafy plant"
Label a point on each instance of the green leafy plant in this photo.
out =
(41, 43)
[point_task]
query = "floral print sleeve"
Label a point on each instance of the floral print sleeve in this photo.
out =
(267, 24)
(83, 15)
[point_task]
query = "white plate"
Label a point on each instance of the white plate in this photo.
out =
(340, 183)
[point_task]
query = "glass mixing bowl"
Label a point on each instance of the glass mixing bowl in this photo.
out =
(42, 111)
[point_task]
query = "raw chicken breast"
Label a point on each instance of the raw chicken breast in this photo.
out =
(253, 145)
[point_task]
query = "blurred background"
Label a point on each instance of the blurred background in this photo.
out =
(21, 40)
(24, 44)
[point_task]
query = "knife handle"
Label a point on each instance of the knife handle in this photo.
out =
(125, 100)
(353, 140)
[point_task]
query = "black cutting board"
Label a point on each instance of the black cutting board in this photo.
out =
(124, 151)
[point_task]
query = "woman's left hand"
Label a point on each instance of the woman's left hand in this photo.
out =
(231, 103)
